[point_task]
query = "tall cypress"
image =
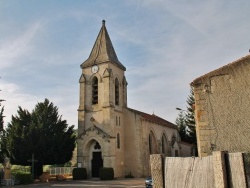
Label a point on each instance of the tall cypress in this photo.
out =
(181, 124)
(190, 120)
(2, 145)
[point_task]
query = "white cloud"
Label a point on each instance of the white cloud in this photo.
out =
(14, 48)
(15, 97)
(165, 45)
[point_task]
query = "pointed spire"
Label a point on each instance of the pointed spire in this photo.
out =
(102, 51)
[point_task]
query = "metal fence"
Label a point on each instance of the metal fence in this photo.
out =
(60, 170)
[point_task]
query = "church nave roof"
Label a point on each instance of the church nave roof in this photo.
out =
(155, 119)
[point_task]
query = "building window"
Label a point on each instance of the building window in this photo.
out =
(152, 143)
(97, 146)
(176, 153)
(173, 140)
(94, 90)
(119, 121)
(164, 144)
(118, 141)
(116, 92)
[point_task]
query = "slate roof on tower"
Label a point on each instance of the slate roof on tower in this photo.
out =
(102, 51)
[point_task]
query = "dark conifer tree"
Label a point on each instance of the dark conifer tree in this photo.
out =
(190, 120)
(1, 118)
(181, 124)
(187, 129)
(42, 133)
(2, 148)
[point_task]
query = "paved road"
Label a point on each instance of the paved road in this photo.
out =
(118, 183)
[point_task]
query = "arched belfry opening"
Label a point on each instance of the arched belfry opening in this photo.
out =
(116, 92)
(94, 90)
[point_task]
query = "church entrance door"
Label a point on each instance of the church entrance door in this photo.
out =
(96, 163)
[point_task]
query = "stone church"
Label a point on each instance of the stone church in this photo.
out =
(110, 134)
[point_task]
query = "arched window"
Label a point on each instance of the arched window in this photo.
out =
(116, 92)
(164, 144)
(173, 139)
(118, 141)
(152, 143)
(94, 90)
(97, 146)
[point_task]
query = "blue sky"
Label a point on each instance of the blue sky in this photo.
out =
(163, 44)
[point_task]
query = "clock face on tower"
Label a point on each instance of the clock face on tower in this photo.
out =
(94, 68)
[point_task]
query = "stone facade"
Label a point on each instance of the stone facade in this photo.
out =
(222, 108)
(109, 133)
(186, 149)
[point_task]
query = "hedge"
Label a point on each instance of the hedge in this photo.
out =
(79, 173)
(23, 177)
(106, 173)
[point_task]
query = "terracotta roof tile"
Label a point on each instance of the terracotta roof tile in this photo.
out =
(154, 119)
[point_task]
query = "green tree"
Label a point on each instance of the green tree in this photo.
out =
(1, 116)
(190, 120)
(1, 134)
(181, 124)
(186, 122)
(42, 133)
(2, 149)
(1, 119)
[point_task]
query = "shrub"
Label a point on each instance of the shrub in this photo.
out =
(106, 173)
(23, 177)
(79, 173)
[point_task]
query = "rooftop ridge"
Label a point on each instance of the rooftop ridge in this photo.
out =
(219, 71)
(154, 118)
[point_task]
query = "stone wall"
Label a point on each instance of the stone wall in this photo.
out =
(222, 108)
(187, 149)
(132, 144)
(219, 170)
(136, 143)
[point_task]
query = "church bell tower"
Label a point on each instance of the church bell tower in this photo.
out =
(103, 95)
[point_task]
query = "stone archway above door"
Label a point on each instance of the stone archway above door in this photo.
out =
(94, 131)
